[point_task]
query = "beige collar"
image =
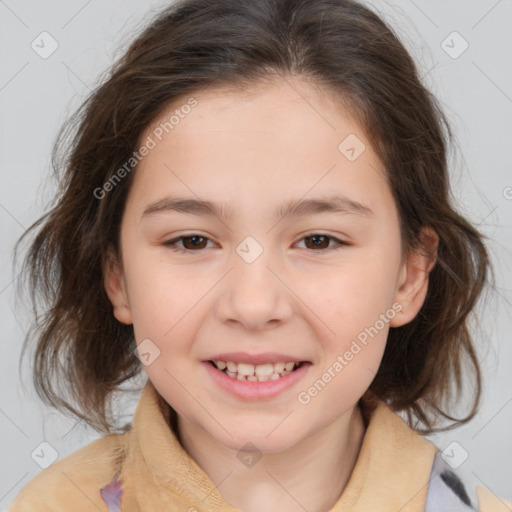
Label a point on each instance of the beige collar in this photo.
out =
(391, 473)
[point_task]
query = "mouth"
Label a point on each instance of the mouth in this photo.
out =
(256, 372)
(248, 382)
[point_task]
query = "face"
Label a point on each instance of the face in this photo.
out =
(320, 285)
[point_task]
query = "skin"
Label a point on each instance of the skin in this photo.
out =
(252, 150)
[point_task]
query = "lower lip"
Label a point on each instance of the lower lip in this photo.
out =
(255, 390)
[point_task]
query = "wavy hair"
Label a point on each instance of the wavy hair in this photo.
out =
(82, 354)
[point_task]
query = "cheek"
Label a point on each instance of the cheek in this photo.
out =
(162, 297)
(357, 309)
(353, 294)
(353, 305)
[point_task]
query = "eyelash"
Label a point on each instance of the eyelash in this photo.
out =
(172, 243)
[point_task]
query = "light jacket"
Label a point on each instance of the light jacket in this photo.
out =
(147, 469)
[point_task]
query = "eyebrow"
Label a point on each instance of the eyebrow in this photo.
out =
(292, 208)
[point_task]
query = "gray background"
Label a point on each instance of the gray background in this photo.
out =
(37, 94)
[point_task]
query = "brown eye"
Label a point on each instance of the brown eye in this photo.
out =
(190, 243)
(319, 241)
(194, 242)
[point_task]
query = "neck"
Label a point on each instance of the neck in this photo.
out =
(290, 480)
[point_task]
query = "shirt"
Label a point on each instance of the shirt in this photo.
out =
(147, 469)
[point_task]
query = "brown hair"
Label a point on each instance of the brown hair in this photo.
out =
(81, 349)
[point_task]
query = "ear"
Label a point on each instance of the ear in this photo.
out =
(115, 287)
(413, 279)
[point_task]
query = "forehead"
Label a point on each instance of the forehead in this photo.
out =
(265, 105)
(281, 138)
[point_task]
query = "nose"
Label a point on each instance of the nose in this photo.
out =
(254, 295)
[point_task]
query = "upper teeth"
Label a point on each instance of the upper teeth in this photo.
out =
(260, 370)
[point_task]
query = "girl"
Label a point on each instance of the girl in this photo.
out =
(255, 212)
